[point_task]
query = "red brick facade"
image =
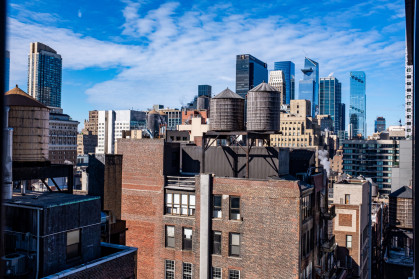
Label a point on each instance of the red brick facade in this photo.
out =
(270, 225)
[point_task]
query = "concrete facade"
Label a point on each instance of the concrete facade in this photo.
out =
(277, 80)
(111, 124)
(401, 174)
(62, 137)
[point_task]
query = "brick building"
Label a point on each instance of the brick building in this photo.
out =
(352, 225)
(206, 226)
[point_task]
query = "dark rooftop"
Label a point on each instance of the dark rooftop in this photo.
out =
(18, 97)
(404, 192)
(227, 94)
(47, 199)
(264, 87)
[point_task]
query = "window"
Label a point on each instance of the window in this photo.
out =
(349, 241)
(169, 269)
(73, 244)
(216, 243)
(233, 274)
(170, 236)
(234, 244)
(180, 204)
(216, 203)
(216, 273)
(234, 208)
(187, 239)
(347, 199)
(187, 271)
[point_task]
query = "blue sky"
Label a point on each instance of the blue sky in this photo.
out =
(133, 54)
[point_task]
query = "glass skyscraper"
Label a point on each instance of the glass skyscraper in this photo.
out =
(309, 85)
(358, 103)
(7, 71)
(204, 90)
(44, 75)
(288, 68)
(330, 100)
(250, 72)
(379, 124)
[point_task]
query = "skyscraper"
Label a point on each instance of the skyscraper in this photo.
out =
(288, 68)
(341, 134)
(309, 85)
(204, 90)
(330, 100)
(379, 124)
(250, 72)
(44, 75)
(7, 71)
(358, 103)
(408, 100)
(277, 80)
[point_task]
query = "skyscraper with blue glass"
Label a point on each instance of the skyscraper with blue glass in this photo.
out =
(309, 85)
(44, 75)
(358, 103)
(250, 72)
(7, 71)
(204, 90)
(330, 96)
(288, 68)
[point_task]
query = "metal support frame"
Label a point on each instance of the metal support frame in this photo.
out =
(42, 171)
(250, 140)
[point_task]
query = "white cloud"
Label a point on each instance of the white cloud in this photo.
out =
(184, 49)
(79, 13)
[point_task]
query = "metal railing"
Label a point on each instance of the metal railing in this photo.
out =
(180, 181)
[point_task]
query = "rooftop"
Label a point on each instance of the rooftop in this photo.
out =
(47, 199)
(404, 192)
(227, 94)
(18, 97)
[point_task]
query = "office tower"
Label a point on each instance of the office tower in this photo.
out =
(44, 75)
(358, 103)
(111, 124)
(288, 68)
(330, 98)
(7, 71)
(343, 116)
(309, 85)
(379, 124)
(277, 80)
(409, 100)
(204, 90)
(250, 72)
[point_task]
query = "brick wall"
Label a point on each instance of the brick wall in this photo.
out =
(142, 200)
(270, 229)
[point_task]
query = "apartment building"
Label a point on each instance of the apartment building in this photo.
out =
(62, 137)
(376, 159)
(352, 225)
(209, 226)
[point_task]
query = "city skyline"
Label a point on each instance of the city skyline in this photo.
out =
(100, 64)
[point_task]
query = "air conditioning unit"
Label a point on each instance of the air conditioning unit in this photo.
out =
(15, 264)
